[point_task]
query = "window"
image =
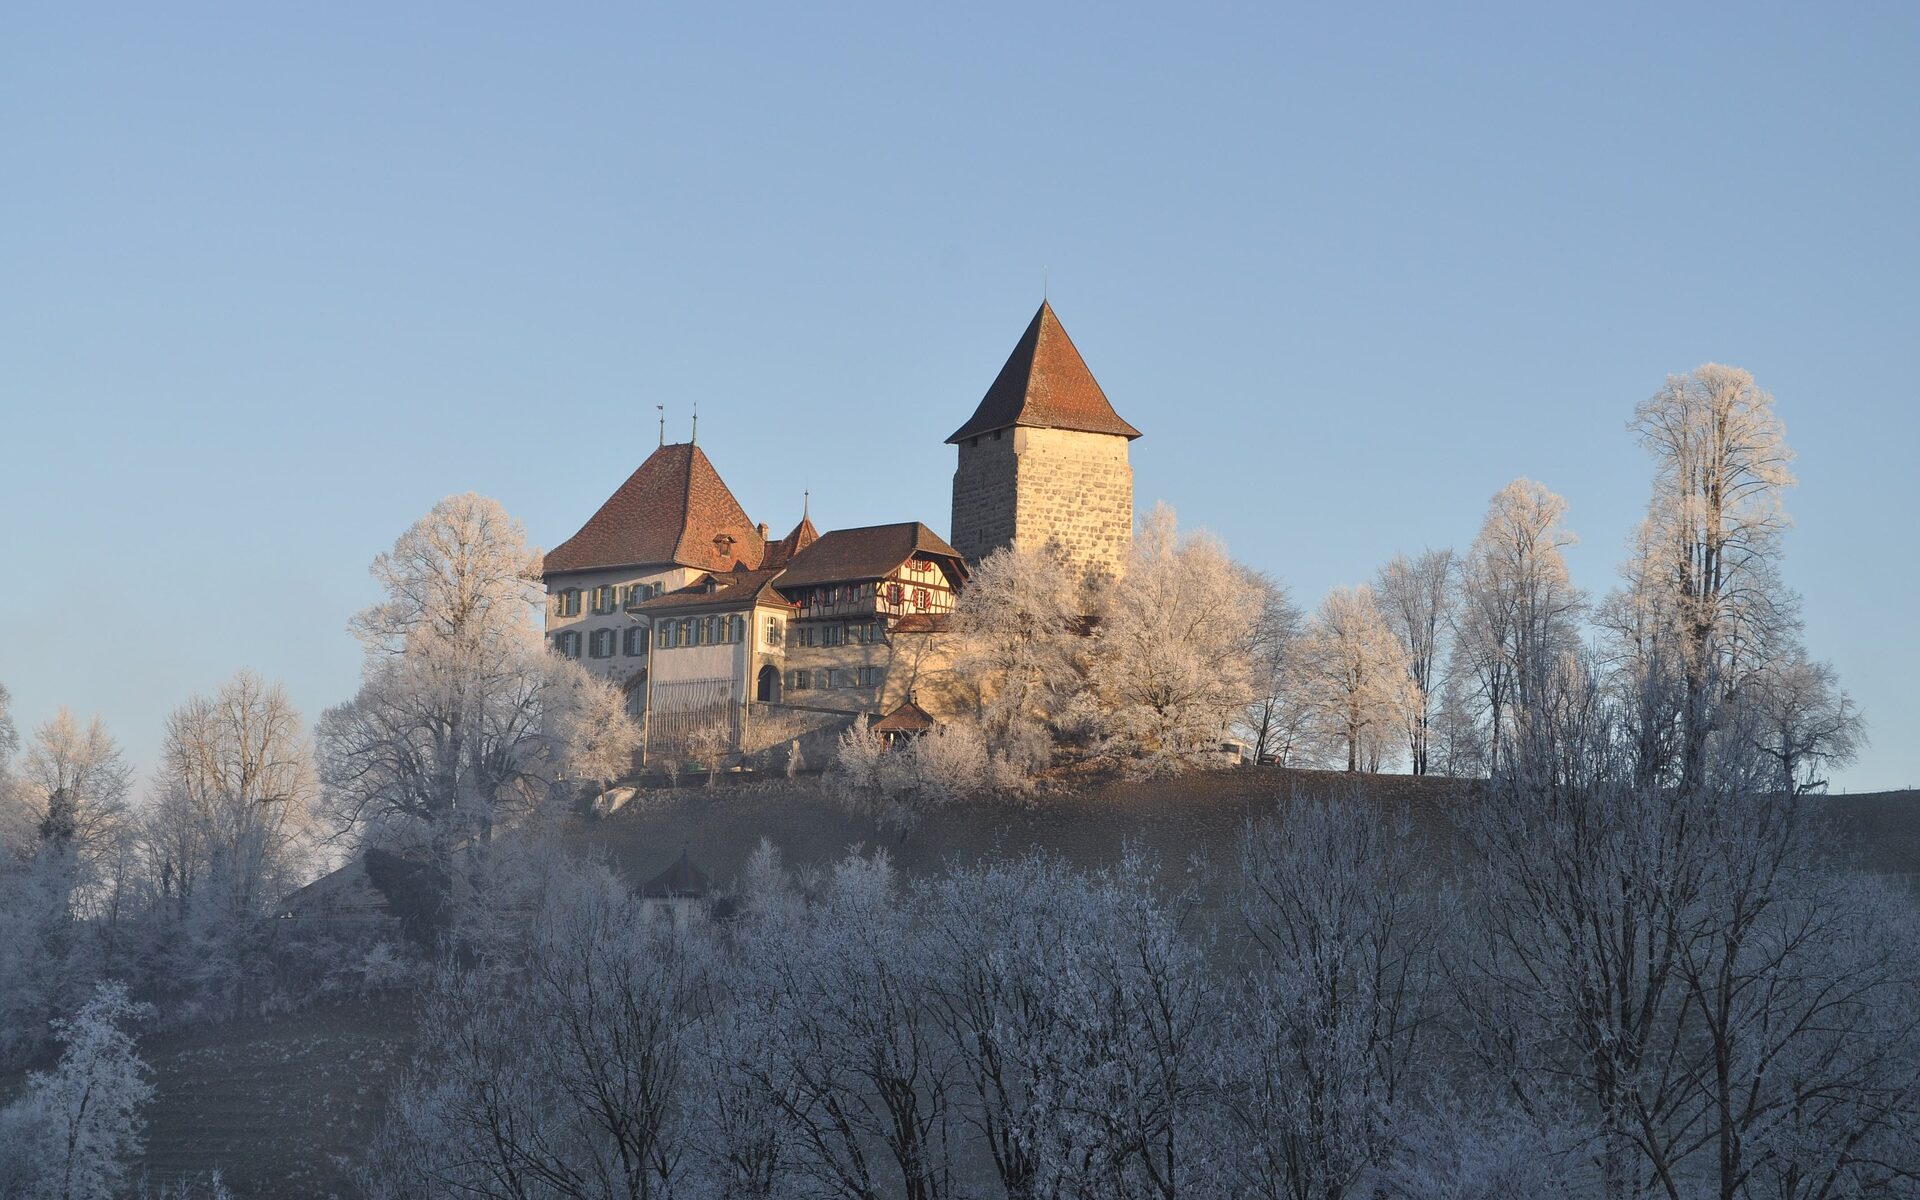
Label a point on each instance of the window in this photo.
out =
(837, 678)
(687, 631)
(876, 631)
(735, 625)
(835, 634)
(570, 602)
(636, 641)
(603, 598)
(872, 676)
(568, 643)
(922, 597)
(771, 637)
(669, 635)
(796, 681)
(894, 593)
(600, 643)
(636, 592)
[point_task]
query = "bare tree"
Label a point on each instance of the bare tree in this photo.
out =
(1416, 597)
(1720, 469)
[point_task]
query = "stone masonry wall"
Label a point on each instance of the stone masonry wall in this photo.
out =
(1032, 486)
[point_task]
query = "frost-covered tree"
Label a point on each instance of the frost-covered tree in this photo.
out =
(1721, 467)
(74, 785)
(9, 745)
(231, 828)
(75, 1131)
(1170, 666)
(1019, 630)
(1416, 597)
(562, 1074)
(1334, 1026)
(1518, 610)
(1356, 676)
(851, 1052)
(455, 717)
(233, 811)
(1275, 723)
(1795, 713)
(597, 737)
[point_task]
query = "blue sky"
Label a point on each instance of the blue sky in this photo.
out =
(274, 278)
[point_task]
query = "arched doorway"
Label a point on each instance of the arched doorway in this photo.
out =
(768, 691)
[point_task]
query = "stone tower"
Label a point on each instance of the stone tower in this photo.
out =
(1044, 458)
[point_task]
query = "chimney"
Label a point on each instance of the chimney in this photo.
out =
(763, 530)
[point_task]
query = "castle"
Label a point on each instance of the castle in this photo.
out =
(713, 627)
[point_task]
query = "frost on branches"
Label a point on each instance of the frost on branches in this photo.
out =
(1170, 666)
(1362, 694)
(77, 1129)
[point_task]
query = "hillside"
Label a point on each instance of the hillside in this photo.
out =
(1177, 822)
(282, 1106)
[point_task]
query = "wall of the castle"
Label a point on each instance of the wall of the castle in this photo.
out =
(1029, 486)
(620, 666)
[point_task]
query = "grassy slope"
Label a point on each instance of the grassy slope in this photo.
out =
(283, 1105)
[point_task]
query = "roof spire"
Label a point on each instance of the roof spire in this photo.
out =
(806, 503)
(662, 410)
(695, 439)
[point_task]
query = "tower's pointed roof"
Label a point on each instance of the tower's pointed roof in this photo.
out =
(780, 553)
(674, 510)
(1045, 383)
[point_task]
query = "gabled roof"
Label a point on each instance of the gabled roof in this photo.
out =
(782, 552)
(674, 510)
(680, 879)
(720, 589)
(1044, 383)
(907, 718)
(870, 552)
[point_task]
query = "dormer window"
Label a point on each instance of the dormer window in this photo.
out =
(724, 544)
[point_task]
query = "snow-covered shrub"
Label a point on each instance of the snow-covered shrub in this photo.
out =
(895, 786)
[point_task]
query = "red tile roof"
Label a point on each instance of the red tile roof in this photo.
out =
(780, 553)
(674, 510)
(907, 718)
(725, 589)
(1044, 383)
(870, 552)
